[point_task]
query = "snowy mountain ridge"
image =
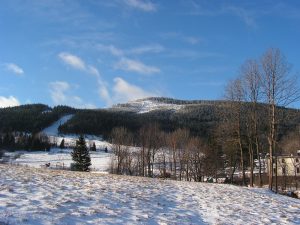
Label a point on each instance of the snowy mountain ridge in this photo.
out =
(161, 103)
(147, 105)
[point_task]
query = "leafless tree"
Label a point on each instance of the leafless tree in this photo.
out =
(121, 140)
(251, 78)
(280, 89)
(235, 93)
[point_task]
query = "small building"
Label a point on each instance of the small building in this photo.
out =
(287, 165)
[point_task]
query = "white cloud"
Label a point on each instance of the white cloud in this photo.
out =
(146, 6)
(60, 96)
(57, 91)
(155, 48)
(124, 91)
(72, 60)
(59, 88)
(8, 102)
(77, 63)
(136, 66)
(11, 67)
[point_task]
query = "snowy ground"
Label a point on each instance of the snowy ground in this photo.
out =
(42, 196)
(58, 159)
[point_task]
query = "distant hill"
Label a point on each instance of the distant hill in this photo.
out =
(201, 117)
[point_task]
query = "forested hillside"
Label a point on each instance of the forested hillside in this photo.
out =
(202, 118)
(30, 118)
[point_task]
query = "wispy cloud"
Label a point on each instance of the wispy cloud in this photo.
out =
(246, 13)
(79, 64)
(136, 66)
(72, 60)
(59, 91)
(192, 54)
(142, 5)
(153, 48)
(118, 52)
(243, 14)
(14, 68)
(193, 40)
(124, 91)
(8, 101)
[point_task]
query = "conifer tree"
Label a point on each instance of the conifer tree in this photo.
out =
(93, 147)
(81, 155)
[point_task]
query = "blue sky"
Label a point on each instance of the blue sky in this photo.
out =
(93, 53)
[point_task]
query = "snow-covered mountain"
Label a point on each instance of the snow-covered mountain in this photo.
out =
(148, 105)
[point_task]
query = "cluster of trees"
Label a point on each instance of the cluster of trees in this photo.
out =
(250, 130)
(176, 154)
(23, 141)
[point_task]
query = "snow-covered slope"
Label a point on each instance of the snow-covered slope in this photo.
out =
(70, 139)
(53, 129)
(147, 105)
(41, 196)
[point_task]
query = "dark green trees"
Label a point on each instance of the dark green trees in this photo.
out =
(81, 155)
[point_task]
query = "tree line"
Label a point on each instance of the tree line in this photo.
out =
(177, 155)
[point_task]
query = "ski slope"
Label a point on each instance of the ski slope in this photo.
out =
(53, 129)
(43, 196)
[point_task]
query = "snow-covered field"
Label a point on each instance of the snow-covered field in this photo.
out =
(59, 159)
(42, 196)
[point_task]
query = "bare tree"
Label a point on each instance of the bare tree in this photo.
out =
(251, 78)
(280, 89)
(236, 94)
(121, 140)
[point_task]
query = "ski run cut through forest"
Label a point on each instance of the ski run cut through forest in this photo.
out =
(42, 196)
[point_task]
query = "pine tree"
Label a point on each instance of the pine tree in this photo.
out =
(93, 147)
(81, 155)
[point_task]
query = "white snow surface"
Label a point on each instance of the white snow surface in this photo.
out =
(60, 159)
(42, 196)
(144, 106)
